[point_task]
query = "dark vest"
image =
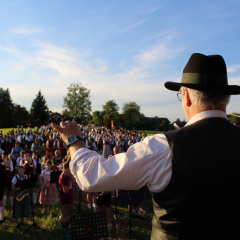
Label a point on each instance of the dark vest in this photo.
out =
(202, 200)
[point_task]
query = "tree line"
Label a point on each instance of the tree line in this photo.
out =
(76, 105)
(13, 114)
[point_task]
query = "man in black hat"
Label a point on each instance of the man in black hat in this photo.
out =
(193, 172)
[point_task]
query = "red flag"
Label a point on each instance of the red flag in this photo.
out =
(107, 123)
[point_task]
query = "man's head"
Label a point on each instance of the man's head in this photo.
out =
(194, 101)
(204, 85)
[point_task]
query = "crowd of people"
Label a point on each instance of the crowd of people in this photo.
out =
(38, 159)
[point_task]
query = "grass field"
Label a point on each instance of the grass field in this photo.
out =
(51, 227)
(6, 130)
(148, 132)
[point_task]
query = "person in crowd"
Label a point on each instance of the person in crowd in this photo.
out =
(90, 143)
(28, 141)
(120, 144)
(36, 145)
(2, 142)
(66, 198)
(104, 201)
(50, 145)
(144, 136)
(99, 143)
(1, 152)
(66, 157)
(43, 165)
(9, 143)
(37, 172)
(16, 150)
(61, 147)
(57, 160)
(21, 207)
(21, 140)
(7, 162)
(48, 194)
(192, 172)
(20, 158)
(14, 162)
(30, 165)
(91, 200)
(3, 184)
(106, 147)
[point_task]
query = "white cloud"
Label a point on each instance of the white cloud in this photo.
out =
(154, 9)
(234, 80)
(131, 26)
(67, 64)
(158, 53)
(27, 30)
(232, 69)
(52, 68)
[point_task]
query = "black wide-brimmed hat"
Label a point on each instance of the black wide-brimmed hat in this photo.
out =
(206, 74)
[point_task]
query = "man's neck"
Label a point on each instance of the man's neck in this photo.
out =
(195, 110)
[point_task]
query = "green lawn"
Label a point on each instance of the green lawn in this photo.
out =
(6, 130)
(51, 227)
(149, 132)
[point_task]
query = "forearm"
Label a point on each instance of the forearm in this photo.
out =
(94, 173)
(75, 147)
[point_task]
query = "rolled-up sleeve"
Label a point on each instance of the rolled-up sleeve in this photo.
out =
(145, 163)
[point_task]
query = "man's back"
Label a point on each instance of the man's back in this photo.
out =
(202, 198)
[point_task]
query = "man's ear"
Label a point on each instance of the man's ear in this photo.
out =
(187, 98)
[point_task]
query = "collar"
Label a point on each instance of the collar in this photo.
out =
(207, 114)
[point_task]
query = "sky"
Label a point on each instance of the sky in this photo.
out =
(122, 50)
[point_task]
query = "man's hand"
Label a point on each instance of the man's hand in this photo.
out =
(67, 129)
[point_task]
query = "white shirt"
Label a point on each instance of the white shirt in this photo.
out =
(145, 163)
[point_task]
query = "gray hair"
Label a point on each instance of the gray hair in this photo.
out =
(206, 99)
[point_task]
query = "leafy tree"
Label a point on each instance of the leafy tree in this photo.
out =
(21, 115)
(110, 110)
(77, 104)
(131, 113)
(6, 107)
(39, 110)
(97, 118)
(110, 107)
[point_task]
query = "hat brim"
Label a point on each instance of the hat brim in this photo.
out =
(218, 89)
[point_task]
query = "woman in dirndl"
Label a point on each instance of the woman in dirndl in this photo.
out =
(48, 194)
(106, 147)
